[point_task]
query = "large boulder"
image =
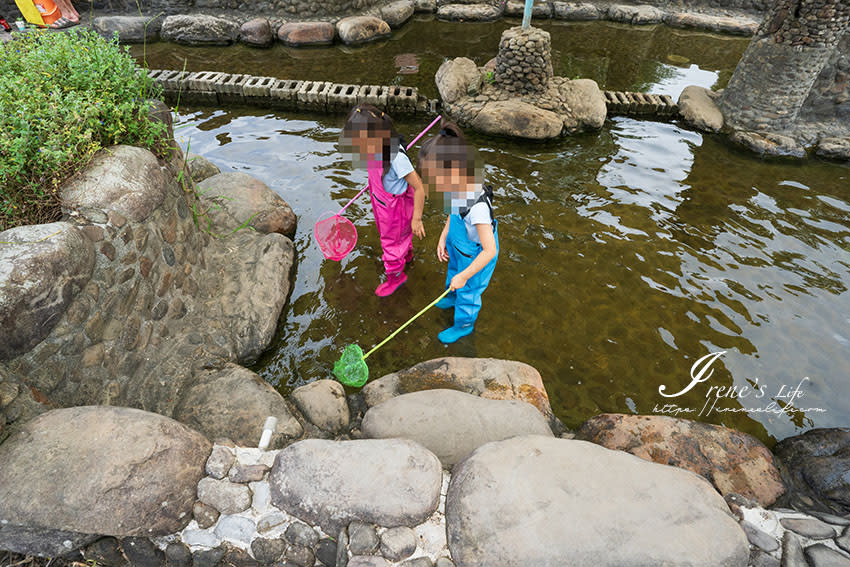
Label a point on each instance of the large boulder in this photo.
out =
(41, 542)
(389, 482)
(323, 403)
(397, 13)
(199, 29)
(200, 168)
(834, 148)
(518, 119)
(124, 179)
(362, 29)
(101, 470)
(130, 29)
(486, 377)
(635, 15)
(816, 466)
(516, 8)
(734, 462)
(233, 402)
(42, 268)
(452, 424)
(552, 502)
(737, 25)
(575, 11)
(298, 34)
(698, 109)
(769, 144)
(470, 12)
(235, 199)
(584, 105)
(256, 33)
(456, 77)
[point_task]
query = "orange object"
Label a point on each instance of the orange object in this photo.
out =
(48, 10)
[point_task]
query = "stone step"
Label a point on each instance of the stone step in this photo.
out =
(643, 105)
(216, 88)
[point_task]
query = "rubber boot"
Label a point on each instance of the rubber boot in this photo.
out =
(394, 281)
(454, 333)
(447, 302)
(409, 257)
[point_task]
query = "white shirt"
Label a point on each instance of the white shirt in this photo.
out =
(394, 180)
(478, 214)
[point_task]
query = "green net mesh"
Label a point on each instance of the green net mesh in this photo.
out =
(351, 369)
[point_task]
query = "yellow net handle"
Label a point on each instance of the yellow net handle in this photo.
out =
(411, 320)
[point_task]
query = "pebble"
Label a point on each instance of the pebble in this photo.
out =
(759, 538)
(236, 528)
(844, 541)
(178, 555)
(207, 558)
(759, 558)
(820, 555)
(398, 543)
(141, 552)
(299, 533)
(326, 552)
(367, 561)
(809, 527)
(418, 562)
(267, 550)
(342, 549)
(219, 462)
(201, 538)
(261, 496)
(300, 555)
(247, 473)
(270, 521)
(224, 496)
(832, 519)
(444, 562)
(363, 539)
(792, 551)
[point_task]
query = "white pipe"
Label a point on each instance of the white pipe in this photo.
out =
(268, 429)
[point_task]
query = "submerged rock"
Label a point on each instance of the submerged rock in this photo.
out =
(452, 424)
(552, 502)
(392, 482)
(732, 461)
(134, 473)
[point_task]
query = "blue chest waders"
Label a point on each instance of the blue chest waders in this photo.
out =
(462, 251)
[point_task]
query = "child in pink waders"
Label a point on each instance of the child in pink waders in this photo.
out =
(470, 239)
(398, 196)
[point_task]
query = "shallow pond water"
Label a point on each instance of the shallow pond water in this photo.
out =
(626, 255)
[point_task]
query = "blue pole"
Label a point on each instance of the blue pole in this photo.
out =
(526, 15)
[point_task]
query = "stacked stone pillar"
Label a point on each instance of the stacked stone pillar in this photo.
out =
(524, 62)
(775, 76)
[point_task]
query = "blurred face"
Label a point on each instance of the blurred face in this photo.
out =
(450, 179)
(366, 144)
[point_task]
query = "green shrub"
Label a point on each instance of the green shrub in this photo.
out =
(63, 96)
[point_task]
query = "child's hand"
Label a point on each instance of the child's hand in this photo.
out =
(418, 228)
(442, 254)
(457, 282)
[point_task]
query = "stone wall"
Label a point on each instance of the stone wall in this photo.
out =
(140, 300)
(790, 53)
(304, 9)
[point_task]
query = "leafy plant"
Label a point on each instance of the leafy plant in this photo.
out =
(491, 77)
(63, 97)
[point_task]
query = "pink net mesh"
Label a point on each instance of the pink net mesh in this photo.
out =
(336, 236)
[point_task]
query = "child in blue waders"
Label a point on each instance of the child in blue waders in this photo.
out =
(470, 240)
